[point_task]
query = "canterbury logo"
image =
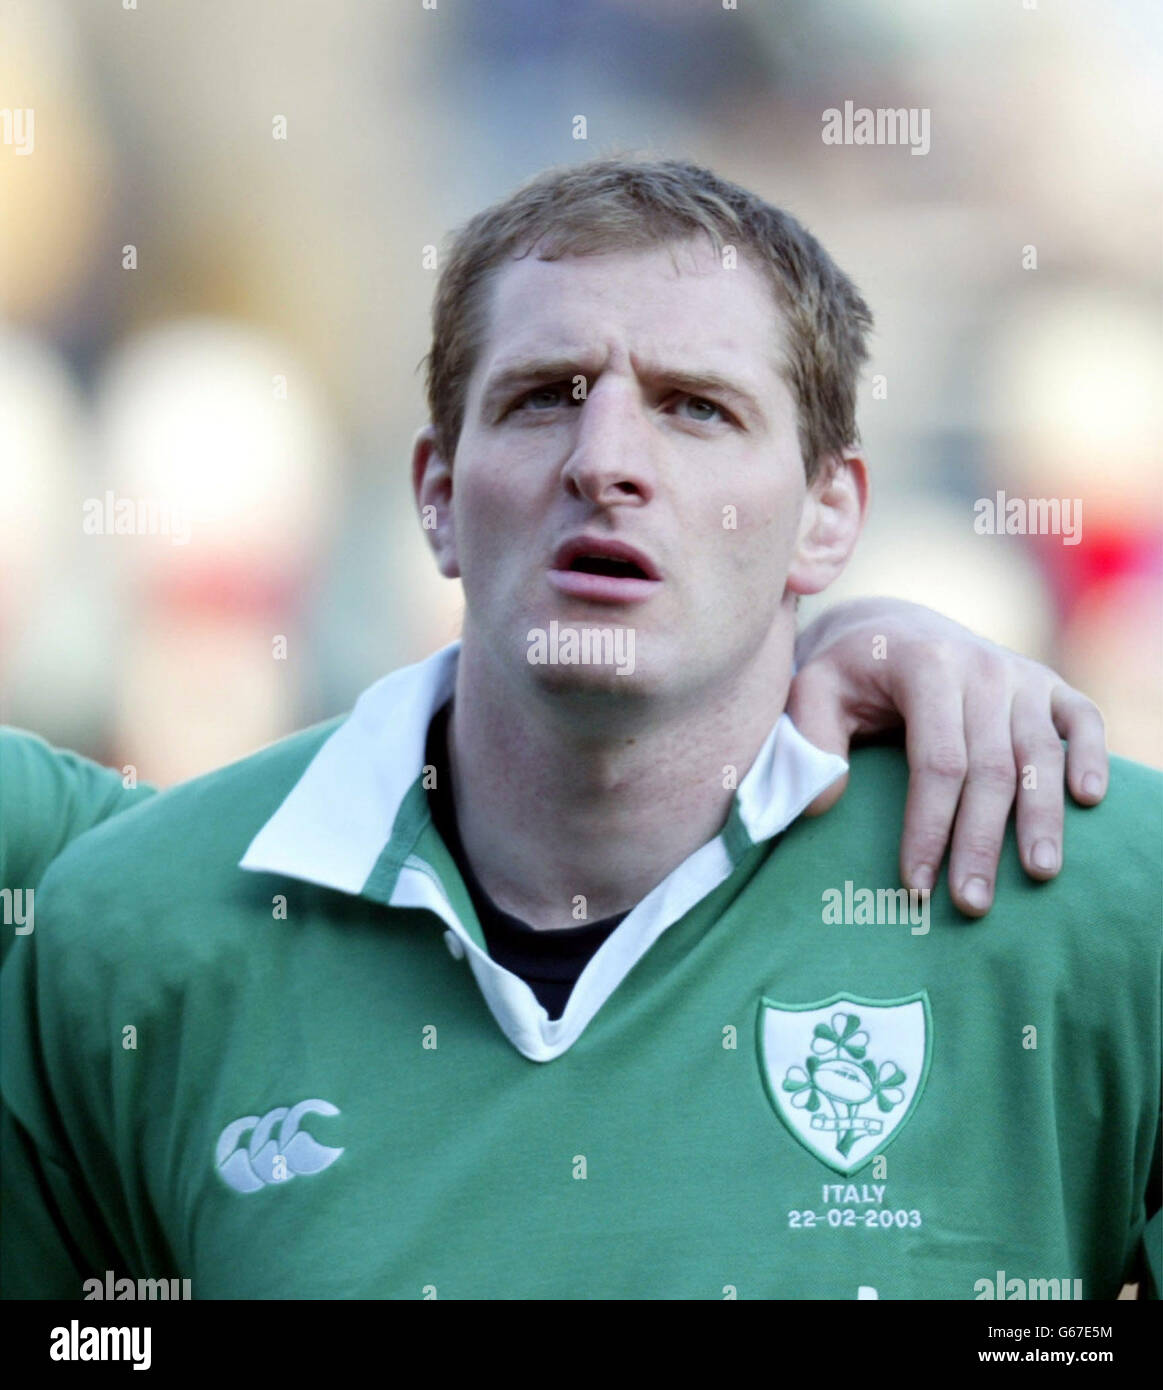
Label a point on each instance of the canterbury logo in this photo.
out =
(271, 1158)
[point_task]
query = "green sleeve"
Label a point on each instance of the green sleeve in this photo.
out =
(52, 1233)
(1150, 1255)
(1153, 1257)
(60, 1189)
(47, 798)
(47, 1225)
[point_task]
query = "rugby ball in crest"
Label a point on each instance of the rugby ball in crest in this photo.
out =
(844, 1082)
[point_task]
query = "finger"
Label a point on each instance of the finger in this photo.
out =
(815, 707)
(1040, 763)
(935, 743)
(987, 798)
(828, 797)
(1079, 722)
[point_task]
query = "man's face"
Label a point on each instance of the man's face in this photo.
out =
(684, 448)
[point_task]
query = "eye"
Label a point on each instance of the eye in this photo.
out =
(543, 397)
(701, 406)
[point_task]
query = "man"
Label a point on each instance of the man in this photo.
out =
(280, 1083)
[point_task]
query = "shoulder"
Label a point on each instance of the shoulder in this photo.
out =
(1112, 869)
(1120, 837)
(1133, 804)
(182, 845)
(1105, 902)
(148, 916)
(49, 796)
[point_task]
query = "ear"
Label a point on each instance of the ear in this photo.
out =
(432, 485)
(833, 516)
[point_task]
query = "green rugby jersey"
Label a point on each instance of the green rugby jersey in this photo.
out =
(48, 797)
(256, 1042)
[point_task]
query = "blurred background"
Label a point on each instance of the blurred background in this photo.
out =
(214, 294)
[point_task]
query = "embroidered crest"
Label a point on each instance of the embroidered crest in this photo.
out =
(846, 1073)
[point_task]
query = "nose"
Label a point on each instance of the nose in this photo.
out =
(611, 462)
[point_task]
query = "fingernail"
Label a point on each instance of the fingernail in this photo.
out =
(924, 878)
(1045, 855)
(975, 891)
(1092, 784)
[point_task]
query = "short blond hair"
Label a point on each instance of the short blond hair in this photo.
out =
(625, 203)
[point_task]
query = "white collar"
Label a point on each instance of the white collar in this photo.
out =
(337, 821)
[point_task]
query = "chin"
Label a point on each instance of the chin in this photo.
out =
(592, 663)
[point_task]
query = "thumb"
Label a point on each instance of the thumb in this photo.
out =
(814, 707)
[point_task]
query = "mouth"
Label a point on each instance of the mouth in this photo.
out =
(604, 571)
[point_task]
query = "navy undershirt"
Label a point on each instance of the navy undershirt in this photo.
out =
(548, 961)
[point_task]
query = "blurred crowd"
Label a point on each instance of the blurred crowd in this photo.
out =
(214, 295)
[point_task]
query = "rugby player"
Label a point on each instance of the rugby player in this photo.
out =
(522, 981)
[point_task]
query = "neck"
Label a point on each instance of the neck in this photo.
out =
(554, 804)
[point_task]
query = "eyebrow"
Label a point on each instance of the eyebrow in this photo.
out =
(511, 377)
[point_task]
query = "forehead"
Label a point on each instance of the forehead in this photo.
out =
(674, 303)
